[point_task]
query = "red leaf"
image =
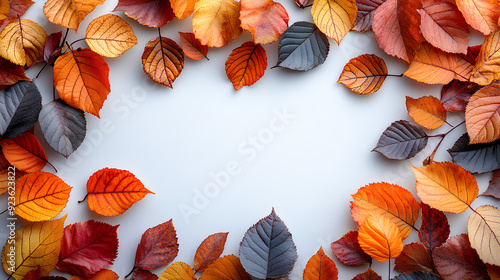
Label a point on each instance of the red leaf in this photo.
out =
(158, 247)
(33, 274)
(51, 50)
(192, 47)
(246, 65)
(434, 229)
(494, 186)
(348, 251)
(11, 73)
(87, 248)
(152, 13)
(24, 152)
(143, 275)
(395, 25)
(368, 275)
(456, 95)
(413, 258)
(364, 17)
(209, 250)
(17, 9)
(456, 259)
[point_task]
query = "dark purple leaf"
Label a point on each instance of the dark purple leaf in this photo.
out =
(401, 140)
(476, 158)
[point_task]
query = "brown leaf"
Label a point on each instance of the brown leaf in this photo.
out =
(22, 42)
(434, 229)
(368, 275)
(104, 274)
(482, 15)
(482, 115)
(487, 67)
(158, 247)
(456, 95)
(183, 8)
(246, 65)
(24, 152)
(17, 9)
(8, 176)
(364, 74)
(413, 258)
(192, 47)
(265, 19)
(426, 111)
(163, 60)
(320, 267)
(483, 229)
(178, 270)
(152, 13)
(347, 250)
(69, 13)
(364, 17)
(11, 73)
(380, 238)
(334, 17)
(225, 268)
(209, 251)
(494, 186)
(140, 274)
(493, 271)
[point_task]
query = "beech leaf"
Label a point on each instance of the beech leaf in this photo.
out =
(152, 13)
(246, 65)
(334, 17)
(426, 111)
(24, 152)
(483, 229)
(11, 73)
(494, 186)
(302, 47)
(456, 95)
(364, 74)
(209, 250)
(265, 19)
(434, 229)
(163, 60)
(69, 13)
(413, 258)
(401, 140)
(225, 268)
(347, 250)
(178, 270)
(110, 191)
(380, 238)
(192, 47)
(267, 249)
(482, 15)
(364, 17)
(20, 105)
(87, 248)
(22, 42)
(182, 8)
(320, 267)
(487, 67)
(482, 115)
(476, 158)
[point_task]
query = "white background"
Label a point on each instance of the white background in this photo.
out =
(172, 140)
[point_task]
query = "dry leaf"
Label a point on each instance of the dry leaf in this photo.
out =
(24, 152)
(69, 13)
(482, 15)
(413, 258)
(209, 251)
(482, 115)
(364, 74)
(434, 229)
(225, 268)
(494, 186)
(183, 8)
(246, 65)
(426, 111)
(152, 13)
(17, 9)
(334, 17)
(178, 271)
(320, 267)
(483, 228)
(347, 250)
(192, 47)
(4, 9)
(380, 238)
(104, 274)
(22, 42)
(487, 67)
(11, 73)
(163, 60)
(265, 19)
(368, 275)
(364, 17)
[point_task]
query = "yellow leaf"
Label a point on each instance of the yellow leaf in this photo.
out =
(37, 244)
(380, 238)
(483, 229)
(487, 67)
(178, 271)
(216, 22)
(69, 13)
(182, 8)
(22, 42)
(334, 17)
(446, 186)
(4, 9)
(110, 36)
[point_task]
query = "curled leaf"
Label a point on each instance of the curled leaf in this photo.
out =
(52, 48)
(364, 74)
(22, 42)
(163, 60)
(380, 238)
(246, 65)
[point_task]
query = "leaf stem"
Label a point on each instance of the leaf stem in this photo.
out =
(81, 39)
(394, 75)
(389, 269)
(41, 70)
(4, 211)
(51, 165)
(84, 200)
(430, 158)
(132, 271)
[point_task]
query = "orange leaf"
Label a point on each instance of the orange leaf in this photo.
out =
(40, 196)
(11, 73)
(225, 268)
(24, 152)
(178, 270)
(4, 9)
(104, 274)
(369, 274)
(386, 200)
(380, 238)
(487, 67)
(81, 78)
(426, 111)
(445, 186)
(482, 115)
(110, 192)
(110, 36)
(482, 15)
(320, 267)
(246, 65)
(69, 13)
(22, 42)
(334, 17)
(37, 244)
(8, 176)
(163, 60)
(216, 22)
(364, 74)
(183, 8)
(265, 19)
(433, 66)
(209, 250)
(192, 47)
(17, 9)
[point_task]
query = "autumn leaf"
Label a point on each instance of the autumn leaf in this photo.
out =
(301, 3)
(17, 9)
(192, 47)
(163, 60)
(347, 250)
(209, 250)
(37, 244)
(456, 259)
(443, 26)
(4, 9)
(334, 17)
(494, 186)
(265, 19)
(52, 48)
(482, 115)
(87, 248)
(158, 247)
(364, 17)
(110, 36)
(445, 186)
(401, 140)
(152, 13)
(483, 229)
(7, 174)
(389, 201)
(183, 8)
(434, 229)
(476, 158)
(216, 22)
(396, 27)
(178, 270)
(380, 238)
(11, 73)
(33, 274)
(320, 267)
(110, 191)
(426, 111)
(487, 67)
(24, 152)
(456, 95)
(246, 65)
(267, 249)
(302, 47)
(482, 15)
(143, 275)
(225, 268)
(104, 274)
(433, 66)
(69, 13)
(40, 196)
(493, 271)
(413, 258)
(20, 105)
(364, 74)
(81, 79)
(417, 275)
(22, 42)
